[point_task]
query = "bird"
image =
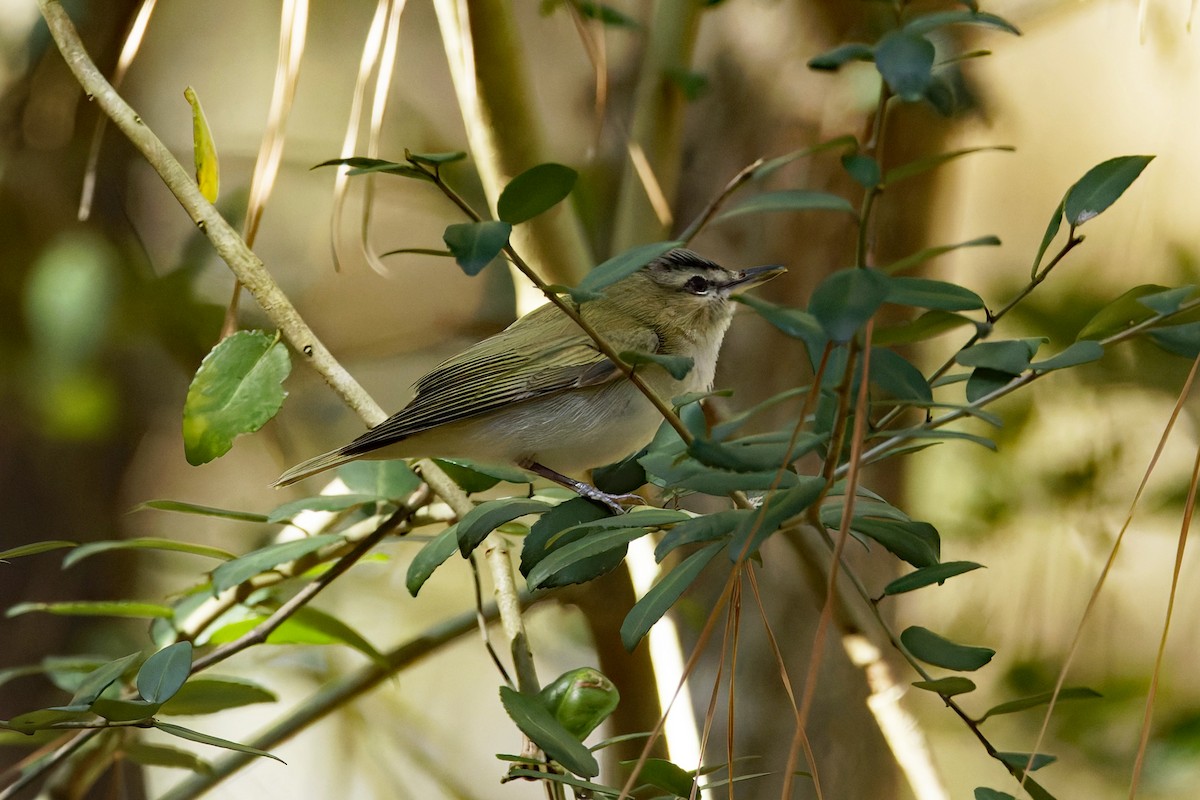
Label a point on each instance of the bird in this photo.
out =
(540, 394)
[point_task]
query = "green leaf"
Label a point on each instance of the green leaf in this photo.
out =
(776, 509)
(475, 476)
(892, 373)
(928, 293)
(99, 679)
(844, 301)
(33, 548)
(580, 699)
(1181, 340)
(790, 200)
(435, 159)
(204, 511)
(164, 672)
(204, 149)
(588, 547)
(947, 687)
(392, 479)
(927, 646)
(31, 721)
(1033, 701)
(322, 502)
(430, 557)
(1019, 760)
(984, 381)
(535, 191)
(791, 321)
(602, 13)
(905, 60)
(925, 23)
(677, 367)
(1078, 353)
(204, 738)
(1122, 313)
(231, 573)
(208, 695)
(665, 775)
(831, 60)
(913, 168)
(694, 476)
(863, 169)
(618, 267)
(705, 528)
(914, 542)
(158, 755)
(926, 326)
(983, 793)
(94, 608)
(308, 626)
(845, 141)
(117, 710)
(547, 733)
(936, 573)
(237, 389)
(921, 256)
(476, 244)
(743, 455)
(473, 528)
(664, 594)
(144, 543)
(361, 166)
(1100, 187)
(1012, 357)
(1052, 229)
(1169, 301)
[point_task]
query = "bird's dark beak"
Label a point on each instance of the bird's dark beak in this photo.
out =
(753, 277)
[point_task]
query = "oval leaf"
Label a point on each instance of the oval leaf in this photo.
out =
(941, 652)
(844, 301)
(1011, 357)
(1079, 353)
(164, 672)
(905, 60)
(475, 244)
(619, 266)
(790, 200)
(473, 528)
(547, 733)
(1101, 186)
(1033, 701)
(947, 687)
(94, 608)
(211, 694)
(237, 389)
(534, 191)
(430, 557)
(663, 595)
(231, 573)
(677, 367)
(926, 576)
(928, 293)
(590, 546)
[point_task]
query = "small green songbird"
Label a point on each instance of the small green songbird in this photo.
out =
(541, 396)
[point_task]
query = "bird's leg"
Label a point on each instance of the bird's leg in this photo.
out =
(584, 490)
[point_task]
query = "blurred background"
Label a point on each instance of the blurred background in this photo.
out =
(105, 320)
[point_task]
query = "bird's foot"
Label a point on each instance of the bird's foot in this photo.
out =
(585, 490)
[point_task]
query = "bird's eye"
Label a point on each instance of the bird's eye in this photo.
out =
(696, 285)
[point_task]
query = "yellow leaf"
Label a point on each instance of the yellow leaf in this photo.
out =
(203, 149)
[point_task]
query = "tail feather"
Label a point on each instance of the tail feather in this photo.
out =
(334, 458)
